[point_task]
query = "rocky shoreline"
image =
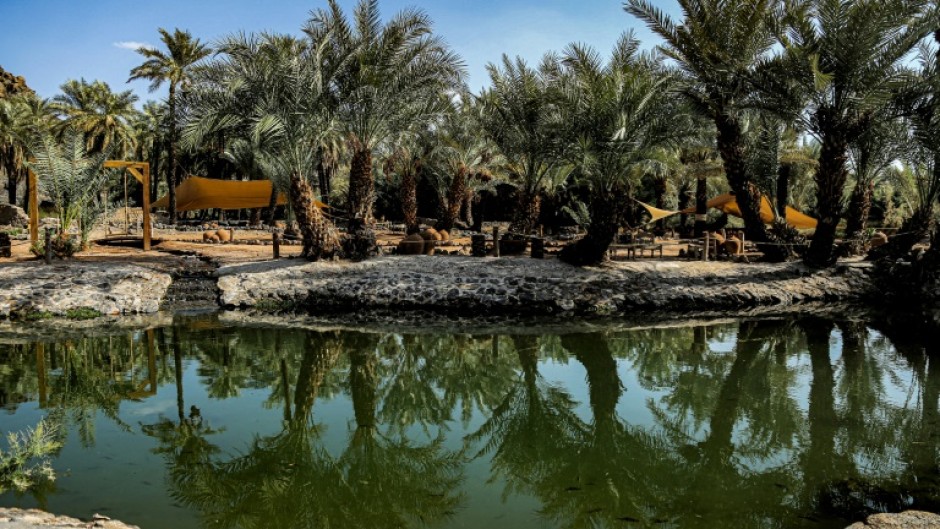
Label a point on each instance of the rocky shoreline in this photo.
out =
(79, 290)
(461, 285)
(34, 519)
(521, 285)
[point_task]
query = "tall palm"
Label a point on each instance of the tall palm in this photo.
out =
(173, 66)
(718, 46)
(522, 116)
(272, 95)
(398, 71)
(102, 116)
(150, 131)
(843, 62)
(921, 102)
(20, 116)
(871, 155)
(622, 113)
(462, 153)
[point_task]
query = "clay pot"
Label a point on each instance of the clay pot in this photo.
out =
(411, 245)
(224, 235)
(431, 237)
(207, 236)
(444, 235)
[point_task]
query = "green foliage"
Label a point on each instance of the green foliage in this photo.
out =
(82, 313)
(70, 176)
(24, 464)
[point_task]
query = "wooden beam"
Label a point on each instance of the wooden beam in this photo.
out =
(135, 173)
(32, 183)
(121, 164)
(145, 180)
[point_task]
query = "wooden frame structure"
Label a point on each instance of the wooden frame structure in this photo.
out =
(139, 170)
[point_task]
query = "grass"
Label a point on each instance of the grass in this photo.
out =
(82, 313)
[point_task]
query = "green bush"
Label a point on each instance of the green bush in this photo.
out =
(24, 464)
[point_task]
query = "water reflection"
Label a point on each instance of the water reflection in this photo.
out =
(769, 423)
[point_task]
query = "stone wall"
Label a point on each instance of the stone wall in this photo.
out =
(107, 288)
(532, 286)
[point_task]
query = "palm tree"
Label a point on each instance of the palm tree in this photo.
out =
(150, 131)
(522, 117)
(622, 113)
(871, 155)
(718, 47)
(845, 60)
(272, 95)
(394, 80)
(175, 67)
(20, 116)
(102, 116)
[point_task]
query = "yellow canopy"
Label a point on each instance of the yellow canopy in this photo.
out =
(656, 213)
(207, 193)
(729, 205)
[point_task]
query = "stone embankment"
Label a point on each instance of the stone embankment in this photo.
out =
(34, 290)
(35, 519)
(531, 286)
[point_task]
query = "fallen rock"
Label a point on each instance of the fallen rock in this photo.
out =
(904, 520)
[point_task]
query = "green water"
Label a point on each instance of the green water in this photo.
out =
(770, 423)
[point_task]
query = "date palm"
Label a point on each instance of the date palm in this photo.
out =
(102, 116)
(20, 116)
(718, 46)
(272, 95)
(173, 66)
(622, 113)
(522, 116)
(398, 71)
(871, 155)
(844, 60)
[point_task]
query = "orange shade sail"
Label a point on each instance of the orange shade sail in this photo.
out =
(197, 193)
(729, 205)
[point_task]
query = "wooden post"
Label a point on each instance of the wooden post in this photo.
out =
(708, 244)
(48, 252)
(151, 359)
(496, 241)
(145, 203)
(277, 245)
(33, 184)
(701, 206)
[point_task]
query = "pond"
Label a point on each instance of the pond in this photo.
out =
(764, 423)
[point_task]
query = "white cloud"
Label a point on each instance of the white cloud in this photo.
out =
(133, 45)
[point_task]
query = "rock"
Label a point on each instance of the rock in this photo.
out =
(904, 520)
(34, 519)
(13, 216)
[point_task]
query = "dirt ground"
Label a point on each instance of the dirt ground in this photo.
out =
(169, 245)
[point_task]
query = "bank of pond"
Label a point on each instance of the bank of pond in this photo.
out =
(203, 422)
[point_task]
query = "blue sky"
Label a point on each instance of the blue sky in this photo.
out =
(50, 41)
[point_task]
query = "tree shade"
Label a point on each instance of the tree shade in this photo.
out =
(729, 205)
(207, 193)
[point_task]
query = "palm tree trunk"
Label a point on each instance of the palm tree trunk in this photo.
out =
(830, 184)
(784, 172)
(319, 235)
(361, 185)
(732, 146)
(455, 198)
(859, 208)
(171, 154)
(408, 192)
(701, 206)
(527, 211)
(363, 381)
(272, 205)
(12, 181)
(685, 196)
(606, 217)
